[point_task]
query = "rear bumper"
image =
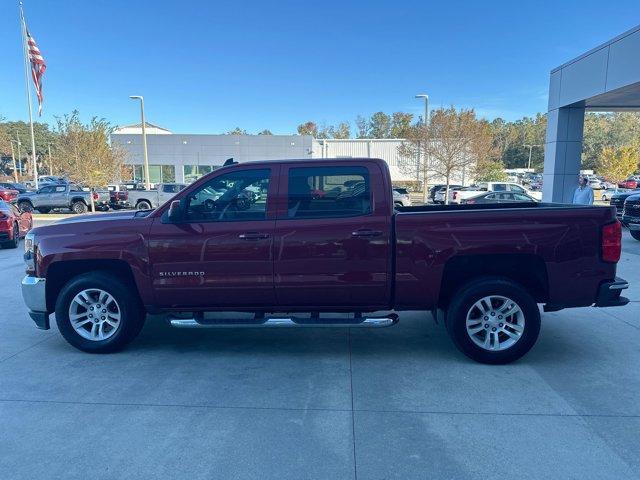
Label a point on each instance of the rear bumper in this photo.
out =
(34, 296)
(609, 294)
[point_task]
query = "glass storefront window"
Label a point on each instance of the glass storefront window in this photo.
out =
(157, 173)
(193, 172)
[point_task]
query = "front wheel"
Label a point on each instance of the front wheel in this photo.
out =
(143, 205)
(98, 313)
(493, 320)
(25, 207)
(635, 234)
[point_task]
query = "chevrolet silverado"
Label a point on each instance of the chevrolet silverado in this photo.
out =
(321, 237)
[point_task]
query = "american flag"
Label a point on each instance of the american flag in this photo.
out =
(38, 67)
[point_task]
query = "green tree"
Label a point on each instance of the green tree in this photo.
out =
(617, 163)
(400, 124)
(489, 171)
(265, 132)
(342, 130)
(362, 126)
(380, 125)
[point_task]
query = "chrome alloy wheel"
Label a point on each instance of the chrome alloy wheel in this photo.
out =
(94, 314)
(495, 323)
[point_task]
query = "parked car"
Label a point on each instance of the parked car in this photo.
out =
(499, 197)
(401, 199)
(631, 215)
(62, 196)
(595, 183)
(457, 195)
(14, 224)
(630, 183)
(149, 199)
(441, 193)
(618, 199)
(8, 195)
(609, 192)
(311, 254)
(19, 187)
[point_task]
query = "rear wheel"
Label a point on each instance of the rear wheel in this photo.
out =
(44, 210)
(143, 205)
(635, 234)
(16, 238)
(79, 208)
(98, 313)
(493, 320)
(25, 207)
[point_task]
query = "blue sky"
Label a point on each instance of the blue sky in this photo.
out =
(207, 67)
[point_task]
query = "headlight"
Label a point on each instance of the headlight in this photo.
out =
(28, 242)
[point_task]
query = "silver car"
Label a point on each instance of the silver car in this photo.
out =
(401, 198)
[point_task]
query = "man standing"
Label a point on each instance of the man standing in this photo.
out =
(584, 193)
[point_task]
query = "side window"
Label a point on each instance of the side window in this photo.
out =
(46, 190)
(170, 188)
(491, 196)
(499, 187)
(72, 188)
(516, 188)
(327, 192)
(61, 189)
(521, 197)
(235, 196)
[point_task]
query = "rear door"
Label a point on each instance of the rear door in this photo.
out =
(333, 235)
(59, 196)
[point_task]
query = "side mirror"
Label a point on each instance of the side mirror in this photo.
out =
(175, 211)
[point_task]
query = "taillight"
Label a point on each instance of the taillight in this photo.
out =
(455, 195)
(125, 195)
(95, 196)
(611, 242)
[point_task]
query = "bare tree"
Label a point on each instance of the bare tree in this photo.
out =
(453, 141)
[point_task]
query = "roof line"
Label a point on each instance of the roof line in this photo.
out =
(599, 47)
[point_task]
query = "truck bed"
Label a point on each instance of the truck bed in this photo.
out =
(553, 248)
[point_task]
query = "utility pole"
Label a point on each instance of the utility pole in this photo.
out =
(15, 168)
(425, 166)
(50, 162)
(147, 182)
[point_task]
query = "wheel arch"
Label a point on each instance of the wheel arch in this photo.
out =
(528, 270)
(78, 199)
(60, 273)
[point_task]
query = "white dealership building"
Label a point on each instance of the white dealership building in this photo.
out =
(185, 157)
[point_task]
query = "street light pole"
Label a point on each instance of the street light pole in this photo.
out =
(425, 122)
(147, 182)
(530, 149)
(15, 168)
(50, 163)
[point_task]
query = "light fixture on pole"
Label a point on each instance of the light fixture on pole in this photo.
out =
(530, 147)
(144, 141)
(425, 119)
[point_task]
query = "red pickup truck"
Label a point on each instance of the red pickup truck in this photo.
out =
(313, 237)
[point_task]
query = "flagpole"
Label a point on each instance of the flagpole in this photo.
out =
(28, 90)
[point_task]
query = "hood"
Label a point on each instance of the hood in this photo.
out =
(624, 195)
(103, 217)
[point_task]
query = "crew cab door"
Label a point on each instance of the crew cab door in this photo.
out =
(60, 197)
(220, 254)
(333, 236)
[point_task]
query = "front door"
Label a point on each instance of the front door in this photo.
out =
(221, 253)
(333, 237)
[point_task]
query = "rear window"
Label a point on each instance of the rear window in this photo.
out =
(327, 192)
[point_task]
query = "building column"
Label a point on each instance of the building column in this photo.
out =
(563, 153)
(179, 172)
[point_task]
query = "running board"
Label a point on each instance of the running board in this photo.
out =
(281, 322)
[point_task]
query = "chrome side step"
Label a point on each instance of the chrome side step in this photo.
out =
(278, 322)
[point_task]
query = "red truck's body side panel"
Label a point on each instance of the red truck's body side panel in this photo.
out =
(567, 240)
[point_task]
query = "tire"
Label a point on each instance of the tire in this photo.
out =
(79, 208)
(515, 335)
(44, 210)
(127, 305)
(16, 238)
(635, 234)
(25, 206)
(143, 205)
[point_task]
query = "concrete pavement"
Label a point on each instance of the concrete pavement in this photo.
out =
(396, 403)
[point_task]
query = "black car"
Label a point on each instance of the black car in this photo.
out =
(631, 215)
(14, 186)
(618, 199)
(499, 197)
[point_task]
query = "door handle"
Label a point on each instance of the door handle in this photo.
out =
(366, 233)
(253, 236)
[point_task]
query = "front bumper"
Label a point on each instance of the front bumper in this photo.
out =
(609, 294)
(632, 223)
(34, 295)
